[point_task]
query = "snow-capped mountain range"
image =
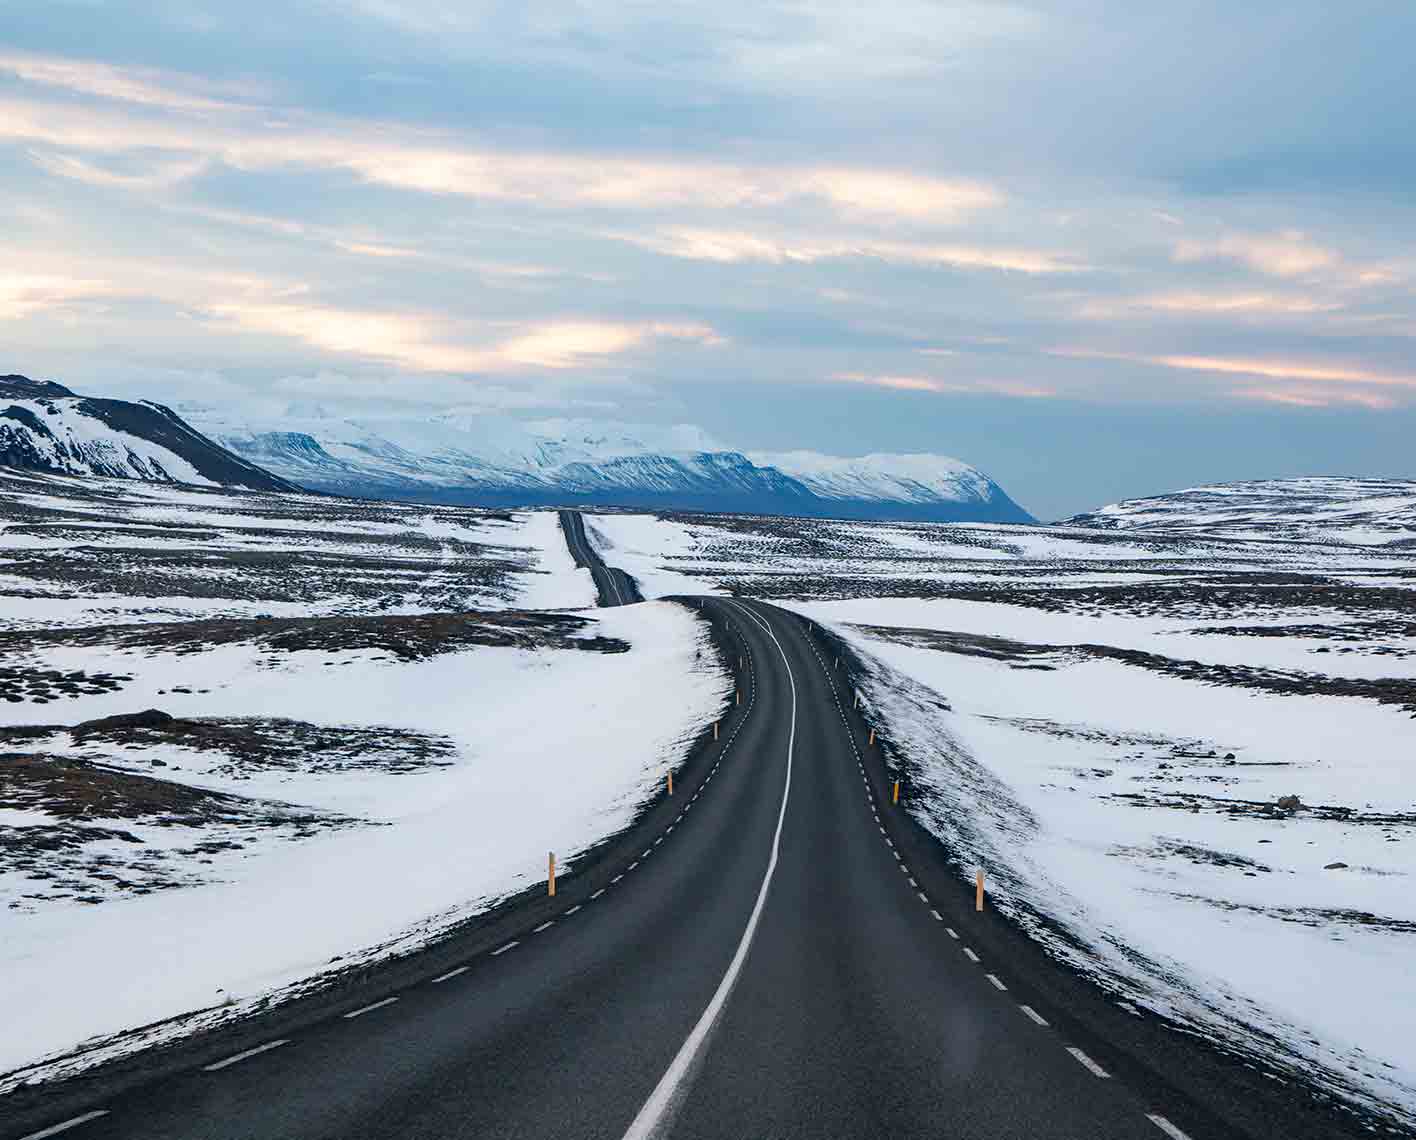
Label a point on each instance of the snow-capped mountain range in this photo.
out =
(499, 461)
(1363, 512)
(46, 427)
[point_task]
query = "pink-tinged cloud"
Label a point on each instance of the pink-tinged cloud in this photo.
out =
(23, 294)
(1315, 397)
(1208, 304)
(144, 86)
(902, 383)
(1289, 253)
(733, 246)
(1246, 366)
(421, 343)
(397, 157)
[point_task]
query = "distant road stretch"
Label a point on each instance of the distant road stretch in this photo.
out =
(616, 588)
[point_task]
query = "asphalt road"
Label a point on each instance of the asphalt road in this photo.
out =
(775, 952)
(615, 587)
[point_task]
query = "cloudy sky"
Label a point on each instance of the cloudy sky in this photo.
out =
(1096, 248)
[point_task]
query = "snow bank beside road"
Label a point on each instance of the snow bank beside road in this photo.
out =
(556, 582)
(554, 751)
(644, 546)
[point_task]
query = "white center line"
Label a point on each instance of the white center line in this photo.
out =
(1166, 1127)
(968, 953)
(55, 1129)
(573, 909)
(1032, 1013)
(451, 974)
(369, 1008)
(504, 949)
(544, 926)
(997, 985)
(1090, 1065)
(650, 1118)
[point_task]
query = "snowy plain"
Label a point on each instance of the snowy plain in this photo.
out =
(360, 755)
(1106, 720)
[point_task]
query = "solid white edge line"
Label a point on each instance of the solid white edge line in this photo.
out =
(661, 1100)
(1032, 1013)
(451, 974)
(997, 984)
(55, 1129)
(1087, 1063)
(369, 1008)
(504, 949)
(217, 1066)
(1166, 1127)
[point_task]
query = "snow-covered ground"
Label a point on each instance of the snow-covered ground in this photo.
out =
(1108, 721)
(102, 551)
(373, 723)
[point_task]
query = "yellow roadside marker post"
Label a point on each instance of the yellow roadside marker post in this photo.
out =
(897, 792)
(978, 897)
(551, 876)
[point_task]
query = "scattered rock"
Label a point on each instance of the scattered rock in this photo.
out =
(1289, 804)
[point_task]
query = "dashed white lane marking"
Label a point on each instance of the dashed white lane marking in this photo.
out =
(217, 1066)
(544, 926)
(504, 949)
(55, 1129)
(651, 1117)
(882, 831)
(1166, 1127)
(573, 909)
(598, 893)
(451, 974)
(617, 878)
(671, 827)
(924, 898)
(937, 916)
(997, 985)
(889, 842)
(369, 1008)
(897, 858)
(912, 881)
(1032, 1013)
(632, 865)
(1087, 1063)
(658, 841)
(970, 955)
(954, 934)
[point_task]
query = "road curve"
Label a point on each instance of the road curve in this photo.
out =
(775, 952)
(614, 586)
